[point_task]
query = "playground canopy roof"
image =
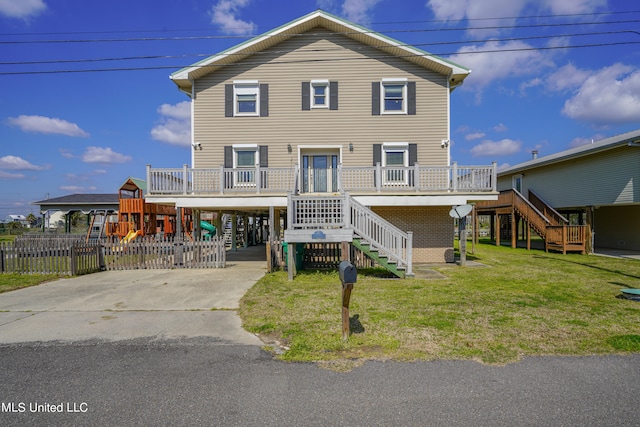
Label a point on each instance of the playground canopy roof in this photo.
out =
(84, 203)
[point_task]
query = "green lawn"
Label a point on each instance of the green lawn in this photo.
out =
(519, 304)
(10, 282)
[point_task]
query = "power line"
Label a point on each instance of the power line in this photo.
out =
(423, 30)
(568, 15)
(153, 57)
(382, 57)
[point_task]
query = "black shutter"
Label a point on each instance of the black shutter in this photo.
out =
(377, 154)
(375, 98)
(264, 163)
(306, 96)
(264, 156)
(228, 156)
(264, 100)
(228, 100)
(411, 98)
(333, 95)
(413, 154)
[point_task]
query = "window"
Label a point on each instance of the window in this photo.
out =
(395, 160)
(319, 94)
(393, 96)
(246, 98)
(245, 157)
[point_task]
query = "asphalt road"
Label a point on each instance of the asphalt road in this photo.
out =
(210, 382)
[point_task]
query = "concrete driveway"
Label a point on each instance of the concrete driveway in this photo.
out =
(126, 305)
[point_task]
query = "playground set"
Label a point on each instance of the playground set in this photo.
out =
(136, 218)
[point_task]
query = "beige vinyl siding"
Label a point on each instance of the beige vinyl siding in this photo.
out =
(607, 178)
(354, 67)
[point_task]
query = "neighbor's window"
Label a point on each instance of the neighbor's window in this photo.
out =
(394, 97)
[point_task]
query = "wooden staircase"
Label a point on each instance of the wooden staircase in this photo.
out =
(546, 222)
(380, 259)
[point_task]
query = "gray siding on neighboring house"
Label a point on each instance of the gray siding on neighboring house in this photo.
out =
(354, 69)
(611, 177)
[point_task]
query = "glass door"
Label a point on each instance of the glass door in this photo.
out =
(319, 173)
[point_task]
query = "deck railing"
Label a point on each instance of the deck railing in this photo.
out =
(379, 179)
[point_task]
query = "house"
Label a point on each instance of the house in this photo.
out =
(89, 204)
(344, 129)
(21, 219)
(595, 187)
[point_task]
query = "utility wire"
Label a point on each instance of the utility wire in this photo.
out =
(381, 57)
(288, 35)
(279, 52)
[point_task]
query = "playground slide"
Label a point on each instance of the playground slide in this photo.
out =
(129, 237)
(209, 228)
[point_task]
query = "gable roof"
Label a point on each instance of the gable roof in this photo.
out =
(629, 138)
(133, 184)
(80, 199)
(184, 77)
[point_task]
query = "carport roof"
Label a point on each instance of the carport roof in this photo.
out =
(80, 202)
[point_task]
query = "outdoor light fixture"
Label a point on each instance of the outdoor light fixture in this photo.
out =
(289, 149)
(351, 147)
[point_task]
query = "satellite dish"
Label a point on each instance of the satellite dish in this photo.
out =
(460, 211)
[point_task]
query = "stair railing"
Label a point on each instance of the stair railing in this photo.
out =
(530, 212)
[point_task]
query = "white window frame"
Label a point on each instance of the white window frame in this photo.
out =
(516, 181)
(246, 87)
(393, 82)
(395, 178)
(245, 178)
(320, 83)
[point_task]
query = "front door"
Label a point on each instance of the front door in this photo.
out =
(319, 173)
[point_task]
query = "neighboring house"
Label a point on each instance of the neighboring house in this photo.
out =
(89, 204)
(333, 123)
(596, 185)
(17, 218)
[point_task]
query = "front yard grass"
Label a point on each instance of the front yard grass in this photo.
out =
(11, 282)
(518, 304)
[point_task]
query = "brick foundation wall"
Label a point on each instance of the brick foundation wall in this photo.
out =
(432, 229)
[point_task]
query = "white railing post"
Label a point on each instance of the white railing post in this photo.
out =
(340, 189)
(454, 176)
(150, 188)
(185, 180)
(223, 178)
(258, 179)
(346, 211)
(494, 175)
(378, 177)
(409, 271)
(290, 208)
(416, 177)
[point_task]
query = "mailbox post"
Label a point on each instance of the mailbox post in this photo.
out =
(348, 276)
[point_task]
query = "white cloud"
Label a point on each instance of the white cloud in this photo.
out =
(577, 142)
(567, 77)
(225, 12)
(610, 95)
(474, 136)
(9, 175)
(77, 188)
(500, 127)
(456, 10)
(327, 5)
(21, 8)
(18, 163)
(67, 154)
(175, 124)
(358, 10)
(47, 125)
(504, 147)
(103, 155)
(516, 61)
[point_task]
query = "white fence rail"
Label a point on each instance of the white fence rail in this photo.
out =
(194, 181)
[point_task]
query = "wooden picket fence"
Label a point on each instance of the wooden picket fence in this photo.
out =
(73, 256)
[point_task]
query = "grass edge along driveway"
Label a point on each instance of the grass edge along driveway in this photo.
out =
(520, 303)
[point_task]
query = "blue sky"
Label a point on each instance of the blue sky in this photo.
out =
(86, 100)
